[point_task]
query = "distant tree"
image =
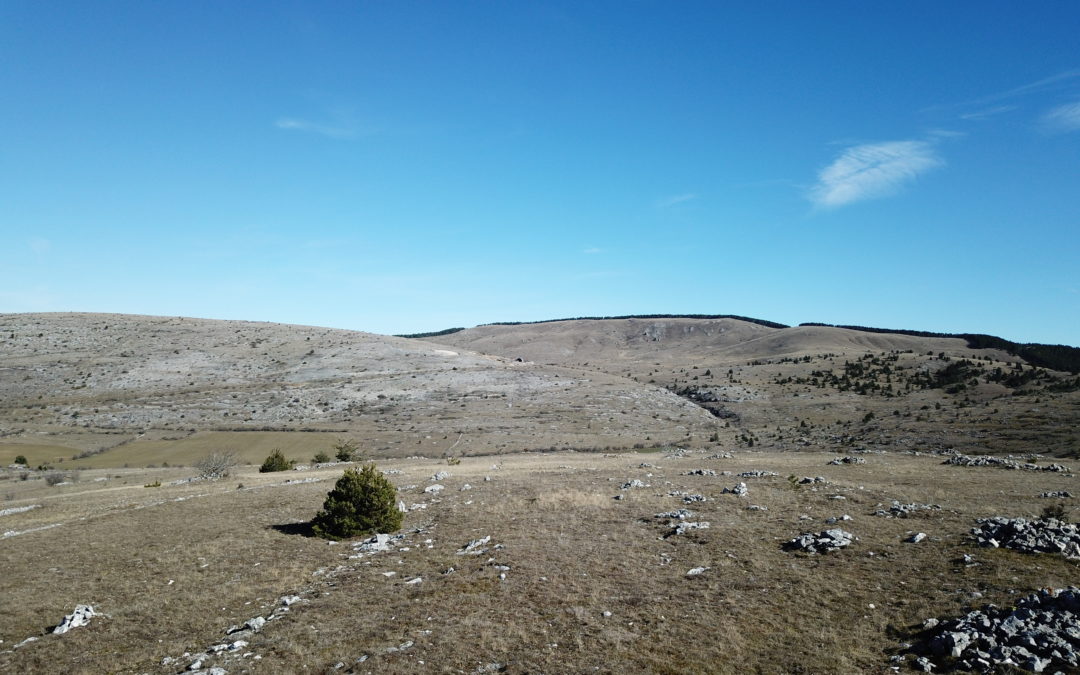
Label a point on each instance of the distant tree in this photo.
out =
(346, 450)
(217, 465)
(362, 502)
(320, 458)
(275, 461)
(21, 459)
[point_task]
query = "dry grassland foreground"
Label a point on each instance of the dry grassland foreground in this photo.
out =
(545, 562)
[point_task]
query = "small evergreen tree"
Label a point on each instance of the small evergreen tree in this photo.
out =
(362, 502)
(346, 450)
(275, 462)
(21, 459)
(320, 458)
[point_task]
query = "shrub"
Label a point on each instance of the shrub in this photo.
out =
(346, 450)
(1056, 511)
(54, 477)
(275, 462)
(216, 465)
(362, 502)
(155, 484)
(320, 458)
(21, 459)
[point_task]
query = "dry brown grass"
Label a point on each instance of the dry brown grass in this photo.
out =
(573, 551)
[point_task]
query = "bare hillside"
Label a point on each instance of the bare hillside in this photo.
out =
(69, 378)
(816, 386)
(607, 341)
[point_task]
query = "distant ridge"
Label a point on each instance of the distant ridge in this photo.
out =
(1055, 357)
(437, 333)
(760, 322)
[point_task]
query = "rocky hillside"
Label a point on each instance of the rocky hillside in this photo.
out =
(87, 373)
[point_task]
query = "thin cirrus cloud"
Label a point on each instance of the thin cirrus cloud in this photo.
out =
(873, 170)
(292, 124)
(1063, 118)
(676, 199)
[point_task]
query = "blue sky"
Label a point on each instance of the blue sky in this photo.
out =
(399, 167)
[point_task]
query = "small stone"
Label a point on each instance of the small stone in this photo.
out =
(80, 617)
(916, 538)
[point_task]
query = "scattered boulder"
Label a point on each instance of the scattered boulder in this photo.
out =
(686, 526)
(916, 538)
(721, 455)
(1057, 494)
(898, 510)
(812, 480)
(375, 544)
(475, 547)
(826, 541)
(739, 490)
(987, 460)
(757, 474)
(700, 472)
(439, 475)
(633, 484)
(1041, 535)
(1038, 633)
(434, 489)
(680, 514)
(697, 571)
(80, 617)
(848, 460)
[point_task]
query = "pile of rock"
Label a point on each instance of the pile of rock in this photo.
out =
(633, 484)
(686, 526)
(1041, 535)
(687, 498)
(1057, 494)
(1040, 633)
(757, 474)
(898, 510)
(848, 460)
(700, 472)
(826, 541)
(80, 617)
(739, 490)
(812, 480)
(987, 460)
(721, 455)
(678, 514)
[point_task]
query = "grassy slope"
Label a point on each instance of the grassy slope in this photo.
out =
(573, 552)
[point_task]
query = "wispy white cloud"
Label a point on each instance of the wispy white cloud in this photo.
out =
(987, 112)
(873, 170)
(1062, 80)
(676, 199)
(1038, 85)
(593, 250)
(1063, 118)
(293, 124)
(39, 245)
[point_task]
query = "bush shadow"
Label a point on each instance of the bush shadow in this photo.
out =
(301, 529)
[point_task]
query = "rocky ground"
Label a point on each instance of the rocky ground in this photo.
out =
(595, 497)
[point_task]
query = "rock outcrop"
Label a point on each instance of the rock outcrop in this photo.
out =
(1039, 634)
(826, 541)
(1041, 535)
